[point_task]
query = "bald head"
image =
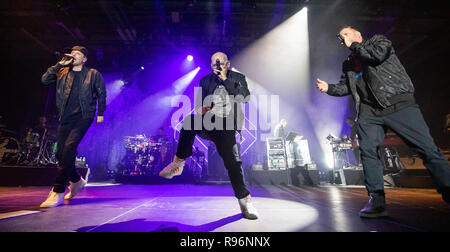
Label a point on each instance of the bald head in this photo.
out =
(219, 55)
(223, 58)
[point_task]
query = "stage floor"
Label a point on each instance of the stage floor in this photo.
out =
(103, 207)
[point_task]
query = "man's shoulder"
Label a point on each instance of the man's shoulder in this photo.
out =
(93, 70)
(377, 37)
(237, 74)
(206, 78)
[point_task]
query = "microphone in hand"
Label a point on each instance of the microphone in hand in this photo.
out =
(218, 65)
(66, 60)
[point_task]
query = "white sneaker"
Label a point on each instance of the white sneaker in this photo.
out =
(247, 208)
(75, 188)
(173, 169)
(53, 199)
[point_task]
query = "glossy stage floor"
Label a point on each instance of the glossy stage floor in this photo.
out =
(103, 207)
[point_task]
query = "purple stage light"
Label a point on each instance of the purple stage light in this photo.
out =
(190, 58)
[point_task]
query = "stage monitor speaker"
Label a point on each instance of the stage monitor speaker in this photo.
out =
(354, 176)
(304, 175)
(267, 177)
(410, 163)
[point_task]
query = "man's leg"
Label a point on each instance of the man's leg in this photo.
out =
(186, 140)
(187, 136)
(371, 134)
(228, 150)
(67, 171)
(61, 179)
(69, 136)
(411, 127)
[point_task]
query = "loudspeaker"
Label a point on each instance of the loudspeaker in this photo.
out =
(414, 178)
(304, 175)
(267, 177)
(412, 163)
(354, 176)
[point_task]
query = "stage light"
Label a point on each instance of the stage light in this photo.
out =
(181, 84)
(190, 58)
(284, 54)
(329, 159)
(142, 68)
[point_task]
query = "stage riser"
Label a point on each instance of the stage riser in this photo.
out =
(299, 176)
(32, 176)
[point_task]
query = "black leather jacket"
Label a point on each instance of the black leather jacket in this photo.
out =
(93, 89)
(384, 74)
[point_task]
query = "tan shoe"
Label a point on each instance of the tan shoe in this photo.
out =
(172, 169)
(53, 200)
(75, 188)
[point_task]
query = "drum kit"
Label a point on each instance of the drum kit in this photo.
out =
(35, 149)
(145, 155)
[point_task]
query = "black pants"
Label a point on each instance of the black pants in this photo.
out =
(69, 137)
(409, 124)
(225, 141)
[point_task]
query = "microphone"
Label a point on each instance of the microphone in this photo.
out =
(218, 65)
(68, 56)
(67, 59)
(341, 40)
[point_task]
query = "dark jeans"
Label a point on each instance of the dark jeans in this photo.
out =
(69, 137)
(225, 141)
(409, 124)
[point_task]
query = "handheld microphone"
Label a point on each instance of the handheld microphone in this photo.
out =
(218, 65)
(68, 56)
(341, 40)
(66, 59)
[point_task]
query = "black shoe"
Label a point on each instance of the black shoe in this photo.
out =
(376, 208)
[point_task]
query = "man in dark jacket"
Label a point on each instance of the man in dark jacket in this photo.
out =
(384, 97)
(218, 118)
(78, 89)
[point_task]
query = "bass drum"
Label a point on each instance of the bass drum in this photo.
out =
(9, 150)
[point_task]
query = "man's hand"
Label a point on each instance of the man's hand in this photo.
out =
(221, 74)
(322, 86)
(99, 119)
(66, 60)
(203, 110)
(347, 41)
(354, 37)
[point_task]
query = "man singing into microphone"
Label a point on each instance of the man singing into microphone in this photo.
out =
(78, 90)
(384, 97)
(218, 105)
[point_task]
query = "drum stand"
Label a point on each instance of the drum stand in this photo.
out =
(38, 160)
(340, 160)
